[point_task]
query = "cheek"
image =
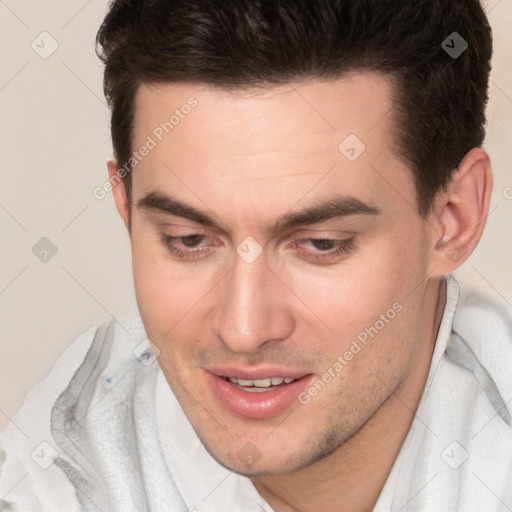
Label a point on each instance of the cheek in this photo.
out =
(166, 293)
(353, 295)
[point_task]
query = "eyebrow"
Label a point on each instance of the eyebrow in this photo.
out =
(320, 211)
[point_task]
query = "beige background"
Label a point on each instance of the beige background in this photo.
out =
(55, 142)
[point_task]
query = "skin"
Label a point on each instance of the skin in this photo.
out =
(246, 159)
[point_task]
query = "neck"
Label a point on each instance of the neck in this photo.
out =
(355, 473)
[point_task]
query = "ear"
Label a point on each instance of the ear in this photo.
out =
(459, 214)
(119, 191)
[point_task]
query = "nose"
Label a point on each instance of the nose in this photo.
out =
(252, 307)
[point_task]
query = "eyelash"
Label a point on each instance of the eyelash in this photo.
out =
(344, 246)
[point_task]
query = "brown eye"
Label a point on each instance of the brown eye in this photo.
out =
(323, 244)
(188, 247)
(191, 240)
(325, 249)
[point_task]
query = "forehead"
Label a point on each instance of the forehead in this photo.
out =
(357, 102)
(269, 147)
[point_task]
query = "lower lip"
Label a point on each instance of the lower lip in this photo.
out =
(256, 405)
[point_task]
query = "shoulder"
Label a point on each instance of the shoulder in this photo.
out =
(26, 442)
(484, 321)
(29, 480)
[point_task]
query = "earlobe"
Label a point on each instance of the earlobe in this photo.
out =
(460, 212)
(119, 191)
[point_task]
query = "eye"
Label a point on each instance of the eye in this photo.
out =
(186, 247)
(195, 246)
(192, 240)
(325, 249)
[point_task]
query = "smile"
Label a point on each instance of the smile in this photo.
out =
(261, 384)
(257, 398)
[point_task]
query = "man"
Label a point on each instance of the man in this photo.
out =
(299, 180)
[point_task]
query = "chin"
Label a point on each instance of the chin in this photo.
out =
(247, 460)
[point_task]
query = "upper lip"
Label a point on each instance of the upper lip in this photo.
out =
(256, 373)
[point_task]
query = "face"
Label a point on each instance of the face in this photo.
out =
(269, 243)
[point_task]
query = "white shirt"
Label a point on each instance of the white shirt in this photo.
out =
(118, 440)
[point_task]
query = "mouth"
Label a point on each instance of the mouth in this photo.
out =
(260, 385)
(257, 395)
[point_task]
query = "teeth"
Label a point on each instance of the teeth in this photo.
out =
(261, 383)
